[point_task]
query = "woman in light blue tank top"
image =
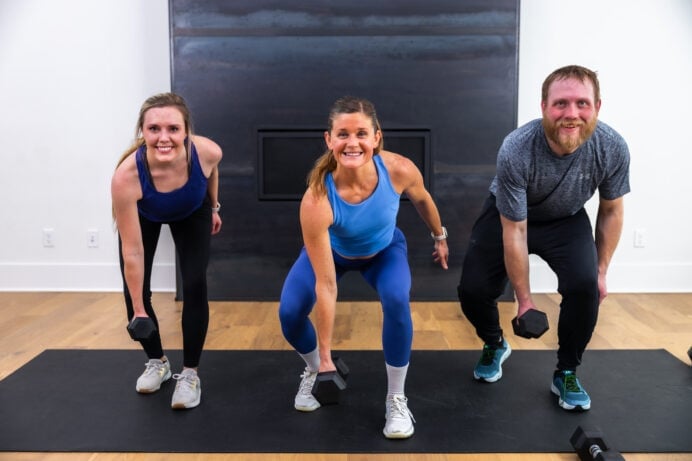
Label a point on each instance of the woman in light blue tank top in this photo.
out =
(348, 221)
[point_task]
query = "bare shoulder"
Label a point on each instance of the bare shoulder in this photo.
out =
(402, 170)
(209, 152)
(315, 210)
(125, 181)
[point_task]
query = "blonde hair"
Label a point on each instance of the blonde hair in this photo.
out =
(326, 163)
(159, 100)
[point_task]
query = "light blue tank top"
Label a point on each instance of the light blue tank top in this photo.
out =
(367, 227)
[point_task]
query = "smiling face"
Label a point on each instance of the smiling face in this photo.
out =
(570, 113)
(163, 129)
(352, 139)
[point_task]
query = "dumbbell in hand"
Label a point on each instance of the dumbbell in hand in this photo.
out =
(531, 324)
(590, 445)
(329, 384)
(141, 328)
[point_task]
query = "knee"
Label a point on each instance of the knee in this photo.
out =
(471, 291)
(194, 283)
(396, 310)
(585, 285)
(288, 315)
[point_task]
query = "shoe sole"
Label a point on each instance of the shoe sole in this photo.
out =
(307, 409)
(566, 405)
(152, 390)
(398, 435)
(187, 406)
(497, 377)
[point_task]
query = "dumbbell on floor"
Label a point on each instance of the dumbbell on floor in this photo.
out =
(141, 328)
(329, 384)
(532, 324)
(589, 445)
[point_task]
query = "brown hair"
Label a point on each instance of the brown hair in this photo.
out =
(159, 100)
(573, 71)
(326, 162)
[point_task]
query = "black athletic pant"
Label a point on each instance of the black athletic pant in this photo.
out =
(567, 245)
(192, 237)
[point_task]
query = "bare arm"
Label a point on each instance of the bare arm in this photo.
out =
(407, 178)
(315, 219)
(608, 230)
(210, 155)
(517, 261)
(125, 191)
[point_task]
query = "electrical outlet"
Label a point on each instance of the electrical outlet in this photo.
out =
(93, 238)
(48, 237)
(639, 238)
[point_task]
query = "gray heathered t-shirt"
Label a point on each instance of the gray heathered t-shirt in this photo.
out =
(533, 183)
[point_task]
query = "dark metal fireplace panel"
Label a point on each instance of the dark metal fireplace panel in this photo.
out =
(260, 77)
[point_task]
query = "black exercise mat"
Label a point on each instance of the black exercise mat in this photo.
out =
(84, 400)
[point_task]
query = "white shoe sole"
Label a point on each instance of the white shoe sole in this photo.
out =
(150, 390)
(497, 377)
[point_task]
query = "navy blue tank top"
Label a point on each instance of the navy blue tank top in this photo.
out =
(174, 205)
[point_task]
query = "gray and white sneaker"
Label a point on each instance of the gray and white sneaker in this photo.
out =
(155, 373)
(400, 420)
(188, 390)
(304, 400)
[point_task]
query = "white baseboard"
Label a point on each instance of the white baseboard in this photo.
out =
(626, 278)
(77, 277)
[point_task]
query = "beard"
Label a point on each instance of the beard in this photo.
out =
(568, 143)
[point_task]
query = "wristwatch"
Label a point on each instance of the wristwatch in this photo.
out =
(437, 238)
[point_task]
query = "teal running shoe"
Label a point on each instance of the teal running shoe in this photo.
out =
(567, 387)
(489, 367)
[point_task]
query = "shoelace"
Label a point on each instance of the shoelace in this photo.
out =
(488, 355)
(153, 368)
(398, 408)
(185, 381)
(306, 384)
(571, 383)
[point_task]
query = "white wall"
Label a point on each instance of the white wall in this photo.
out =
(73, 74)
(642, 50)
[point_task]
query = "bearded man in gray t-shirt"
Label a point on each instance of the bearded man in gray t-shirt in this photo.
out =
(546, 171)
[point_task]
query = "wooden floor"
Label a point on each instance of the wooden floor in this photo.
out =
(33, 322)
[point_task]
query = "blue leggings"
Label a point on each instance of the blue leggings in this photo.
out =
(387, 272)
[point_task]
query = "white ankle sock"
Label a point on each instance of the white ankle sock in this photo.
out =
(312, 360)
(396, 379)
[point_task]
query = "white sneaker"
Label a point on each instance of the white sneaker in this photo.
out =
(400, 420)
(155, 373)
(188, 390)
(304, 400)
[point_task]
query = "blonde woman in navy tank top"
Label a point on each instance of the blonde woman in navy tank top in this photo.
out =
(168, 176)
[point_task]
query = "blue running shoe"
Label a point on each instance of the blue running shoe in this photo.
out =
(566, 385)
(489, 367)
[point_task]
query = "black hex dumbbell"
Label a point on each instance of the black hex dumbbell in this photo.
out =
(589, 445)
(532, 324)
(329, 384)
(141, 328)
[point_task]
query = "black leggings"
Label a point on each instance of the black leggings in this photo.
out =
(192, 237)
(567, 245)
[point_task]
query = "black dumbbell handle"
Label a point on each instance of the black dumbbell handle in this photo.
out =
(595, 450)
